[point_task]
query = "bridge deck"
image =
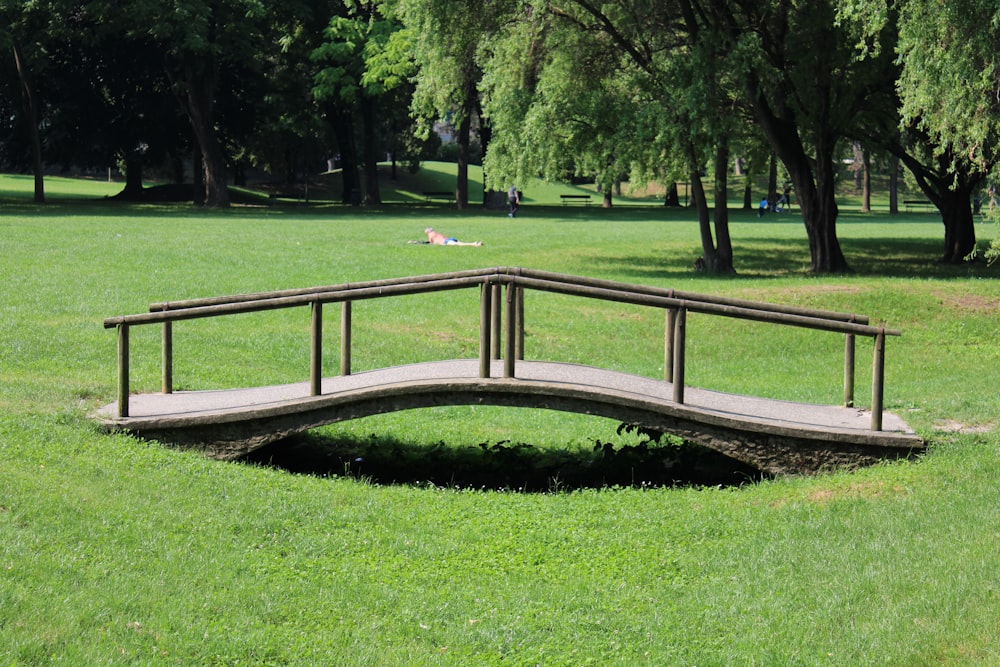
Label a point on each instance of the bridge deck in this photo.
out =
(185, 417)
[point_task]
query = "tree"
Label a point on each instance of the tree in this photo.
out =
(613, 89)
(944, 123)
(197, 40)
(950, 90)
(805, 84)
(359, 68)
(446, 36)
(29, 29)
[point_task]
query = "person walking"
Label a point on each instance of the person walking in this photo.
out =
(513, 200)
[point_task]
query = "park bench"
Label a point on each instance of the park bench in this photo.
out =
(446, 196)
(917, 204)
(570, 199)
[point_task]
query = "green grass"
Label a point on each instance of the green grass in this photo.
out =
(117, 551)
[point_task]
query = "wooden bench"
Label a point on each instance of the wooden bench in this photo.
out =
(917, 203)
(446, 196)
(570, 199)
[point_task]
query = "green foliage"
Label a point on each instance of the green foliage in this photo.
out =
(949, 77)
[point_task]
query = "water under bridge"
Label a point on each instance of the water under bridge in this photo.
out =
(775, 436)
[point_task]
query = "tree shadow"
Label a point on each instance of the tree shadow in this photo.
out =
(759, 258)
(506, 465)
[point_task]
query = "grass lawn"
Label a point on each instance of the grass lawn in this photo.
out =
(115, 551)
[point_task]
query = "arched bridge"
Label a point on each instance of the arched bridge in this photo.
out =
(772, 435)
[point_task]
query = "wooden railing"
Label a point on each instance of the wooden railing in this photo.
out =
(502, 321)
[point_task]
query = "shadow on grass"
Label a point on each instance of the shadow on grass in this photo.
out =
(780, 258)
(506, 465)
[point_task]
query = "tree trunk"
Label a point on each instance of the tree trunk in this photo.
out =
(715, 260)
(343, 130)
(951, 191)
(373, 196)
(772, 180)
(672, 198)
(959, 225)
(700, 202)
(816, 191)
(32, 120)
(819, 209)
(722, 261)
(198, 177)
(893, 185)
(133, 176)
(200, 78)
(866, 183)
(485, 136)
(464, 138)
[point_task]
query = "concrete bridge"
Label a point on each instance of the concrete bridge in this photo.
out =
(772, 435)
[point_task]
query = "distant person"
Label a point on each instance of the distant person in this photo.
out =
(513, 200)
(437, 238)
(785, 200)
(762, 209)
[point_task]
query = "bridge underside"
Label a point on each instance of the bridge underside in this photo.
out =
(776, 437)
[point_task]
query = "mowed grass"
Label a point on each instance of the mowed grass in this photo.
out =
(118, 551)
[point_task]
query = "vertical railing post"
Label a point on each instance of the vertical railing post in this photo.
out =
(495, 327)
(485, 319)
(123, 370)
(668, 345)
(316, 350)
(680, 326)
(345, 338)
(167, 358)
(519, 308)
(849, 354)
(510, 336)
(878, 380)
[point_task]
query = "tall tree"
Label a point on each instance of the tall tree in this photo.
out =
(616, 88)
(805, 84)
(950, 89)
(198, 39)
(26, 29)
(357, 72)
(944, 124)
(446, 37)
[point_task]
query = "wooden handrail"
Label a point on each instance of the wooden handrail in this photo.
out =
(677, 305)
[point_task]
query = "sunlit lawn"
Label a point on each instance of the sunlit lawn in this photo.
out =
(116, 551)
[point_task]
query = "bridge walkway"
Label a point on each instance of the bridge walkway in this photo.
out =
(774, 435)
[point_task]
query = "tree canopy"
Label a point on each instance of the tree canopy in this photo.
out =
(610, 91)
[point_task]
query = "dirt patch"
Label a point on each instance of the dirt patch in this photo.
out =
(968, 303)
(952, 426)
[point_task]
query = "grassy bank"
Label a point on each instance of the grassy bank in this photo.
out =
(117, 551)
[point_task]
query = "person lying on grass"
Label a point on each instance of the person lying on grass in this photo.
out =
(437, 238)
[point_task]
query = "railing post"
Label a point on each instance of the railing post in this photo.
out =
(849, 354)
(519, 308)
(485, 319)
(495, 327)
(167, 356)
(345, 338)
(509, 335)
(668, 345)
(123, 371)
(878, 380)
(680, 326)
(316, 350)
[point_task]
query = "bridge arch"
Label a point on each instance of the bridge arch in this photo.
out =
(773, 436)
